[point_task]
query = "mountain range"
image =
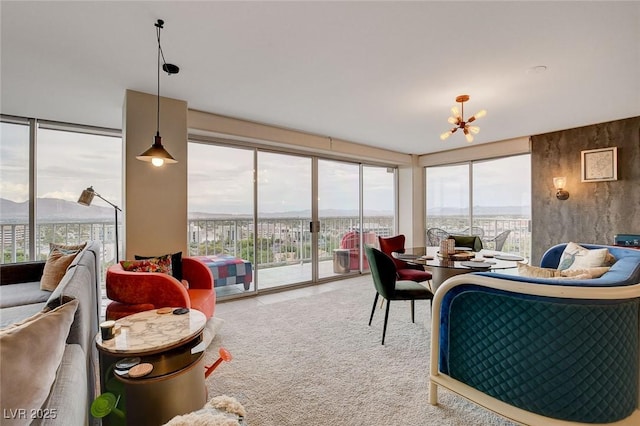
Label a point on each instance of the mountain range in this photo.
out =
(62, 210)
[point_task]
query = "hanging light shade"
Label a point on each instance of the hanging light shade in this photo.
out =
(157, 155)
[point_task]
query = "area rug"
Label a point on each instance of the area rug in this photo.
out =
(314, 361)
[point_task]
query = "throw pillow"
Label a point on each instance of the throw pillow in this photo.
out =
(575, 256)
(157, 264)
(176, 263)
(589, 272)
(56, 266)
(68, 249)
(525, 270)
(31, 353)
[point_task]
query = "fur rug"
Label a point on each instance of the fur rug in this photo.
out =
(220, 411)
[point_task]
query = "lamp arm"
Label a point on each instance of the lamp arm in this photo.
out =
(107, 201)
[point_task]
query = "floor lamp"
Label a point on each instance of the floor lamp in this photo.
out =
(85, 199)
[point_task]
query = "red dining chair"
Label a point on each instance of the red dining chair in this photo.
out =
(404, 270)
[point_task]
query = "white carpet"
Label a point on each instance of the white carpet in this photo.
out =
(314, 361)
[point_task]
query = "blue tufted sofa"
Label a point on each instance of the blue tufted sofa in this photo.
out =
(542, 351)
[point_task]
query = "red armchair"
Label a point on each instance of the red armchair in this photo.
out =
(133, 292)
(351, 241)
(404, 270)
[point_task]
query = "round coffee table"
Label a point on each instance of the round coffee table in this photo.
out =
(175, 384)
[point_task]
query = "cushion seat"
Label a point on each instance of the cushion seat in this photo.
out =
(407, 290)
(404, 270)
(416, 275)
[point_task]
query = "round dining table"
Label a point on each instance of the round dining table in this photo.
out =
(464, 262)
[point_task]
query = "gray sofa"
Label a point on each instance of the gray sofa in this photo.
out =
(20, 297)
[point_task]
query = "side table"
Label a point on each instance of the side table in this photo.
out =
(164, 340)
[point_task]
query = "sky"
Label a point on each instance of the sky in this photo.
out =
(220, 179)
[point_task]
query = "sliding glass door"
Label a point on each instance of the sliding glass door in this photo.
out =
(283, 239)
(254, 207)
(339, 216)
(220, 214)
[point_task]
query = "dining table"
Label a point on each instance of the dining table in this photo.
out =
(463, 261)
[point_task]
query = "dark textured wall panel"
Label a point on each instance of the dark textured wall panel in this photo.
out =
(595, 211)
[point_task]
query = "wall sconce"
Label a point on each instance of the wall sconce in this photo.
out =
(560, 183)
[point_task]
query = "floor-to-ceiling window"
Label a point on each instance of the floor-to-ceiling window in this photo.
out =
(220, 212)
(488, 198)
(45, 166)
(379, 200)
(284, 213)
(339, 216)
(67, 163)
(231, 184)
(14, 191)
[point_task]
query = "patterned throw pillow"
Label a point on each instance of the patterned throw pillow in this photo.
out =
(578, 257)
(160, 264)
(176, 263)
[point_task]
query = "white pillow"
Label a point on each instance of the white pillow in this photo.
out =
(575, 256)
(31, 352)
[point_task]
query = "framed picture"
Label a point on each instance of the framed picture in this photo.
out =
(599, 165)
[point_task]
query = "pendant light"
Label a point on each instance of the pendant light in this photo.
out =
(457, 119)
(157, 155)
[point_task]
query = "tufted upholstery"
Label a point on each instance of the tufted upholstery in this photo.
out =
(545, 346)
(133, 292)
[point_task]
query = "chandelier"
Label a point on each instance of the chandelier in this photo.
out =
(457, 119)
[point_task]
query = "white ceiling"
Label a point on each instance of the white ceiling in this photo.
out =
(380, 73)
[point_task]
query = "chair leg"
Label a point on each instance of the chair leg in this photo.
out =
(386, 317)
(375, 301)
(413, 310)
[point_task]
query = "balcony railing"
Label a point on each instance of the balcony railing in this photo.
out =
(280, 241)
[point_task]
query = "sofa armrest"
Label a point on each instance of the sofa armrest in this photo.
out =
(24, 272)
(145, 287)
(69, 401)
(197, 273)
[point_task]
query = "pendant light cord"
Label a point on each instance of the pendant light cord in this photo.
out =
(158, 108)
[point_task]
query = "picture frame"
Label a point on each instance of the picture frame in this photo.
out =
(599, 165)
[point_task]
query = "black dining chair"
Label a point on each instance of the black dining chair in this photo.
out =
(383, 271)
(470, 241)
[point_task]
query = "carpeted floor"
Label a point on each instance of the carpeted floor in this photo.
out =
(314, 361)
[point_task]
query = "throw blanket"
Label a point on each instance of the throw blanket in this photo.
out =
(220, 411)
(228, 270)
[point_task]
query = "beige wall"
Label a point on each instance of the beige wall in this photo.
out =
(155, 198)
(243, 130)
(411, 203)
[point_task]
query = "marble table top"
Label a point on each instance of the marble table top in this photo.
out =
(152, 332)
